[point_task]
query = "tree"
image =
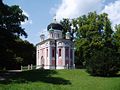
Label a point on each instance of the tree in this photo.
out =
(117, 40)
(26, 51)
(103, 62)
(10, 30)
(117, 35)
(96, 45)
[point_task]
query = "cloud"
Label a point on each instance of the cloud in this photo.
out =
(29, 21)
(113, 11)
(74, 8)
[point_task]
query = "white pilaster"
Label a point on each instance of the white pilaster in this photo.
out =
(57, 53)
(39, 61)
(45, 52)
(63, 55)
(49, 55)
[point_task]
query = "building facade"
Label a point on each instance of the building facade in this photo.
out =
(55, 52)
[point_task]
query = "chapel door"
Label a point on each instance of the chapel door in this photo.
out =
(42, 62)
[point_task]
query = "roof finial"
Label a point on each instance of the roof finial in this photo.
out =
(54, 19)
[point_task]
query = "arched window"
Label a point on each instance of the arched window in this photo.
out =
(38, 54)
(52, 35)
(59, 52)
(42, 60)
(47, 52)
(53, 52)
(58, 35)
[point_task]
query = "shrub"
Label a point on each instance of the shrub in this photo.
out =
(103, 62)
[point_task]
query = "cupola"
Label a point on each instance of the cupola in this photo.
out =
(55, 30)
(54, 25)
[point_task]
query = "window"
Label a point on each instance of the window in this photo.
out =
(59, 52)
(52, 35)
(53, 52)
(38, 54)
(58, 35)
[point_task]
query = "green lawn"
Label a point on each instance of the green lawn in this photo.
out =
(57, 80)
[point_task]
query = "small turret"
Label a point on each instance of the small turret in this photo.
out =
(68, 36)
(42, 37)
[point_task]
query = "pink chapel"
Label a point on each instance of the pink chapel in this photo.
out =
(55, 52)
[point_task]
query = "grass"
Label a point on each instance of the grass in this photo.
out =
(57, 80)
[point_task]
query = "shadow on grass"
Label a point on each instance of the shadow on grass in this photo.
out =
(107, 76)
(45, 76)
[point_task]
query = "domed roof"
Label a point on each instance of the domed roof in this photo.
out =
(55, 26)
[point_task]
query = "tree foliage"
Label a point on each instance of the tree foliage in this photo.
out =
(26, 51)
(10, 32)
(94, 39)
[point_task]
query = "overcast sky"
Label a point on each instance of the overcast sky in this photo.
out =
(41, 12)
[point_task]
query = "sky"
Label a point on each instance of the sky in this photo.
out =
(42, 12)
